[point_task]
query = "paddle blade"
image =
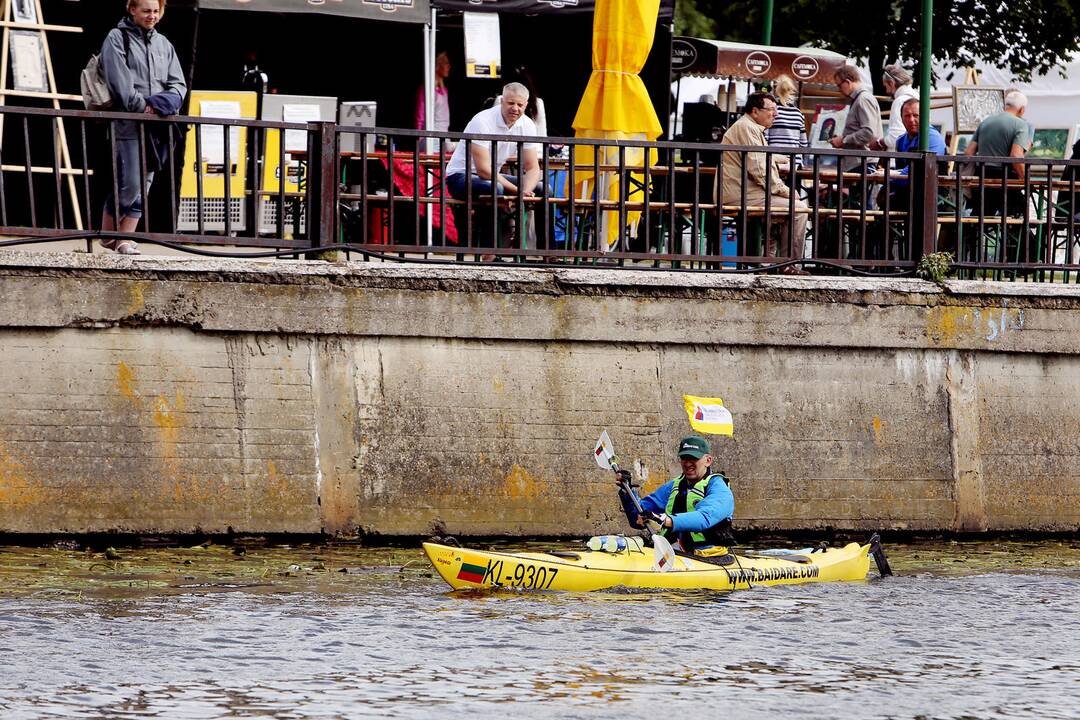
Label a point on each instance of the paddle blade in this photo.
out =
(605, 451)
(663, 554)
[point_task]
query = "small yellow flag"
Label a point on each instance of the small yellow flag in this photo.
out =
(708, 415)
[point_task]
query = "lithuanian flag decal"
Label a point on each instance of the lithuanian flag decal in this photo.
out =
(472, 573)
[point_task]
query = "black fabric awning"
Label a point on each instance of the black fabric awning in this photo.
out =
(411, 11)
(537, 7)
(417, 11)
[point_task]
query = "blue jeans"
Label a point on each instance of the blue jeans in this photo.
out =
(456, 185)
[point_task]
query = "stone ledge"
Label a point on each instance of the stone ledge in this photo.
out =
(73, 290)
(461, 277)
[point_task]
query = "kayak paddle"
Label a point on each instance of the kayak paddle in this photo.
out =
(663, 553)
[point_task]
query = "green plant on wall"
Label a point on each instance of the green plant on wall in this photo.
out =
(935, 266)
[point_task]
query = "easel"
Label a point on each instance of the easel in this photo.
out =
(9, 22)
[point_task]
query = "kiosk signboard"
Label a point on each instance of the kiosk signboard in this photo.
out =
(714, 58)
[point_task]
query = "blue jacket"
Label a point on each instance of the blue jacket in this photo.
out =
(717, 505)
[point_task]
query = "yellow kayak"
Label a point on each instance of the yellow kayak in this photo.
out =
(584, 570)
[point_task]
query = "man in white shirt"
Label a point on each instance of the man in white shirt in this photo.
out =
(508, 118)
(472, 161)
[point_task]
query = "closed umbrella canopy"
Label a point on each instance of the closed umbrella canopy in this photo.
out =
(615, 100)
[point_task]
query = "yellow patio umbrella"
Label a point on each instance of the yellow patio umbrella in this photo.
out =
(616, 105)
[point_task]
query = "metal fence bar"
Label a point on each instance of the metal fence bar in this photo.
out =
(200, 195)
(226, 175)
(29, 171)
(991, 237)
(173, 192)
(144, 177)
(58, 212)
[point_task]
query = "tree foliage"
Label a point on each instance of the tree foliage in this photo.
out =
(1023, 36)
(689, 20)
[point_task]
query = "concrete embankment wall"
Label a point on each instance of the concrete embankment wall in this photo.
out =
(169, 396)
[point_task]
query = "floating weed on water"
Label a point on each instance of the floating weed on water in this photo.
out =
(67, 573)
(63, 572)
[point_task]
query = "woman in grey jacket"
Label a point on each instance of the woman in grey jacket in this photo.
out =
(143, 74)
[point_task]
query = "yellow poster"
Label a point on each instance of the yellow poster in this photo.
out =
(216, 144)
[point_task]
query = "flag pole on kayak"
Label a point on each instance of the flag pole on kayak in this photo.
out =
(663, 553)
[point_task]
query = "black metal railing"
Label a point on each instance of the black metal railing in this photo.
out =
(388, 193)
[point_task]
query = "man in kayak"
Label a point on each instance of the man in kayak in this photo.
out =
(694, 510)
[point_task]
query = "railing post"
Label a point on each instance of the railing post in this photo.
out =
(322, 174)
(927, 191)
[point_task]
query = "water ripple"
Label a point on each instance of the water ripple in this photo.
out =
(990, 642)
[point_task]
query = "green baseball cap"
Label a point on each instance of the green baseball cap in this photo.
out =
(693, 446)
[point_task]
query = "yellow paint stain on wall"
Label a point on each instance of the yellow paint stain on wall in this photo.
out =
(125, 382)
(879, 432)
(498, 384)
(519, 483)
(136, 297)
(945, 323)
(651, 483)
(168, 418)
(13, 484)
(277, 494)
(19, 491)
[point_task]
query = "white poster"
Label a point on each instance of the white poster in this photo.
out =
(213, 136)
(24, 12)
(483, 45)
(28, 62)
(296, 140)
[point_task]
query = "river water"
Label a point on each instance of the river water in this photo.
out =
(965, 630)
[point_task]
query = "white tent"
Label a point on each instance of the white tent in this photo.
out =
(1053, 99)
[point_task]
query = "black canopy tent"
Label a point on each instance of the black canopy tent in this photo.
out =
(538, 7)
(553, 38)
(416, 12)
(413, 11)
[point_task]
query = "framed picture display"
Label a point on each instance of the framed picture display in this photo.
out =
(974, 103)
(828, 123)
(28, 69)
(1052, 143)
(24, 12)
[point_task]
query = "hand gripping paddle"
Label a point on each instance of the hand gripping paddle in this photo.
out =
(663, 553)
